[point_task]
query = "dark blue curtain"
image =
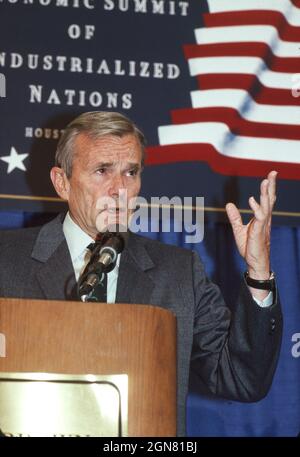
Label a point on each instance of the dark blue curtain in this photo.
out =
(279, 413)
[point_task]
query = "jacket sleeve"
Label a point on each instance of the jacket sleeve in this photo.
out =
(234, 353)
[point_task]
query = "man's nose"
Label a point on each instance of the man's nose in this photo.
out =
(116, 184)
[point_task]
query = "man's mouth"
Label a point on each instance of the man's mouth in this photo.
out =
(111, 215)
(113, 210)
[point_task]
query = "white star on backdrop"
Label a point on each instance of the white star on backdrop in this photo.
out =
(14, 160)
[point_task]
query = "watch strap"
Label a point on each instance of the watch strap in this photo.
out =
(263, 284)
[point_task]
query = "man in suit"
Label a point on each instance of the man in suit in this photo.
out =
(99, 155)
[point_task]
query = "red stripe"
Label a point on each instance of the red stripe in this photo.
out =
(286, 31)
(236, 123)
(259, 93)
(251, 49)
(158, 155)
(247, 49)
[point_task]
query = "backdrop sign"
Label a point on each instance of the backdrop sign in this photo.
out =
(214, 85)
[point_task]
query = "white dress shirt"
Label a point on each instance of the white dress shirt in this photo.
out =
(268, 301)
(78, 241)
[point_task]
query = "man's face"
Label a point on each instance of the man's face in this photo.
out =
(102, 170)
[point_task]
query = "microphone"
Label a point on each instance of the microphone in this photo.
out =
(104, 255)
(113, 244)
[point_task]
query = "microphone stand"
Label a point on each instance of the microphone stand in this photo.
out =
(100, 262)
(93, 272)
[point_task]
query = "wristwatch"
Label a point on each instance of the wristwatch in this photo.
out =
(263, 284)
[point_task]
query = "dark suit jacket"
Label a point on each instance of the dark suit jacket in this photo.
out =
(233, 356)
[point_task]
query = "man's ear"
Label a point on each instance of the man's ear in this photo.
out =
(60, 182)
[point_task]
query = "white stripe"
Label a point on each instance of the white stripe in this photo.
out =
(219, 135)
(291, 13)
(240, 100)
(240, 65)
(198, 132)
(248, 33)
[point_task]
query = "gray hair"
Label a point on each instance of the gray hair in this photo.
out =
(94, 124)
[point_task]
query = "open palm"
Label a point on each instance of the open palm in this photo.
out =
(253, 239)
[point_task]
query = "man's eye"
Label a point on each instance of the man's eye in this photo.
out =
(101, 171)
(132, 172)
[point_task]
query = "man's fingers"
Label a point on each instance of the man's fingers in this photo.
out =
(268, 193)
(267, 197)
(262, 210)
(265, 203)
(259, 212)
(233, 215)
(272, 187)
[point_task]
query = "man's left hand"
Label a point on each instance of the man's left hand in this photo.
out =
(253, 239)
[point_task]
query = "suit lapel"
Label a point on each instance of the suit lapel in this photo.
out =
(56, 274)
(134, 284)
(56, 277)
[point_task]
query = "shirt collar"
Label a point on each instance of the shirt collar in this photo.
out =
(77, 239)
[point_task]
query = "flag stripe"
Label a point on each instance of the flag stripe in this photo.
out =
(241, 101)
(249, 33)
(220, 164)
(244, 65)
(285, 7)
(220, 136)
(235, 122)
(261, 94)
(260, 50)
(286, 31)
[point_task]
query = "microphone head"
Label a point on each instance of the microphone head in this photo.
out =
(115, 235)
(104, 253)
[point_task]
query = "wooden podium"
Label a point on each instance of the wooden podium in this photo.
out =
(94, 338)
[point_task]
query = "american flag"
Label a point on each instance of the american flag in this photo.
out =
(244, 118)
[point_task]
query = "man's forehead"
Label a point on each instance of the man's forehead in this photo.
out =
(108, 145)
